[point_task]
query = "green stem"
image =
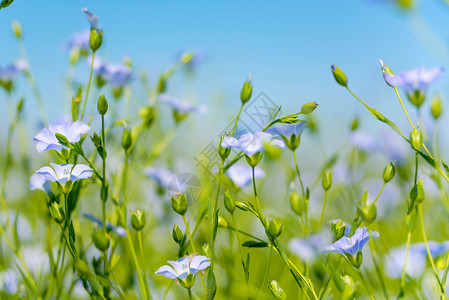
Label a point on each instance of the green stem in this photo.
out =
(190, 293)
(237, 120)
(139, 237)
(379, 273)
(365, 284)
(407, 250)
(143, 294)
(299, 174)
(266, 272)
(380, 191)
(403, 107)
(88, 85)
(324, 205)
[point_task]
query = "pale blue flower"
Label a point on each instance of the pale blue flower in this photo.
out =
(184, 266)
(118, 230)
(65, 172)
(182, 106)
(39, 182)
(308, 248)
(91, 17)
(251, 144)
(242, 174)
(352, 245)
(9, 282)
(10, 72)
(363, 141)
(78, 40)
(161, 176)
(417, 79)
(287, 130)
(117, 75)
(72, 131)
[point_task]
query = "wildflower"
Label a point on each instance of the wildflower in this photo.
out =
(9, 282)
(117, 75)
(65, 172)
(39, 182)
(190, 58)
(290, 133)
(161, 176)
(72, 131)
(96, 34)
(118, 230)
(241, 174)
(9, 73)
(184, 267)
(415, 82)
(308, 248)
(351, 247)
(181, 108)
(251, 144)
(78, 40)
(91, 17)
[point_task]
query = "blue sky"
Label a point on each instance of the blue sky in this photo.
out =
(288, 47)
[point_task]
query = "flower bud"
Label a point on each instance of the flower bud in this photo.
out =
(254, 160)
(162, 84)
(56, 212)
(355, 261)
(308, 108)
(338, 229)
(416, 98)
(188, 282)
(82, 267)
(138, 219)
(416, 138)
(101, 239)
(369, 212)
(148, 115)
(276, 290)
(102, 105)
(436, 107)
(247, 90)
(177, 235)
(355, 124)
(127, 139)
(389, 172)
(222, 222)
(273, 229)
(16, 29)
(179, 203)
(340, 77)
(242, 206)
(349, 288)
(293, 142)
(223, 152)
(95, 39)
(296, 203)
(327, 180)
(206, 250)
(417, 192)
(229, 201)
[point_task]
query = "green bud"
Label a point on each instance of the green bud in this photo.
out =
(82, 267)
(222, 222)
(338, 228)
(16, 29)
(206, 250)
(20, 106)
(296, 203)
(308, 108)
(127, 139)
(369, 212)
(62, 139)
(276, 290)
(273, 229)
(247, 90)
(138, 219)
(340, 77)
(355, 124)
(229, 201)
(417, 192)
(254, 160)
(223, 152)
(327, 180)
(179, 203)
(436, 107)
(179, 116)
(188, 282)
(102, 105)
(177, 235)
(148, 114)
(349, 288)
(416, 98)
(101, 239)
(95, 39)
(65, 188)
(65, 154)
(355, 261)
(389, 172)
(405, 4)
(56, 212)
(162, 84)
(293, 142)
(242, 206)
(117, 92)
(186, 57)
(96, 140)
(416, 138)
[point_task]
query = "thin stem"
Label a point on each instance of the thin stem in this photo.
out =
(379, 273)
(255, 192)
(324, 205)
(306, 202)
(266, 272)
(365, 284)
(407, 250)
(139, 237)
(143, 293)
(403, 107)
(380, 192)
(298, 173)
(237, 120)
(88, 85)
(190, 293)
(429, 254)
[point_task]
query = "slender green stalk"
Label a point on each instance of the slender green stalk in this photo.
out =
(237, 120)
(139, 237)
(378, 271)
(429, 254)
(215, 221)
(266, 272)
(380, 192)
(88, 85)
(190, 293)
(259, 209)
(403, 107)
(407, 250)
(365, 284)
(299, 174)
(324, 205)
(143, 294)
(306, 202)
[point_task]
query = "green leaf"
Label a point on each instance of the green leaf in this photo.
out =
(211, 285)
